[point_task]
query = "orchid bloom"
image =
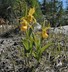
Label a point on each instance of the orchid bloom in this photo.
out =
(31, 11)
(25, 21)
(30, 17)
(24, 25)
(44, 32)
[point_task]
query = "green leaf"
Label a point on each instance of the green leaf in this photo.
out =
(25, 44)
(58, 46)
(45, 47)
(31, 41)
(34, 54)
(37, 42)
(30, 31)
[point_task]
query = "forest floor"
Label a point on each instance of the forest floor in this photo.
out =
(54, 59)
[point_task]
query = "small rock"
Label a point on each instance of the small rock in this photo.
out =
(37, 27)
(59, 64)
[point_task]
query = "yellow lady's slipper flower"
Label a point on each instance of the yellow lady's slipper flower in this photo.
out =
(30, 19)
(23, 28)
(25, 21)
(44, 34)
(31, 11)
(24, 25)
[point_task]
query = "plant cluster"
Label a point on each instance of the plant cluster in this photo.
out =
(32, 42)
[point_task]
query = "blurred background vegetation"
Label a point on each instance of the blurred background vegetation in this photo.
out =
(52, 10)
